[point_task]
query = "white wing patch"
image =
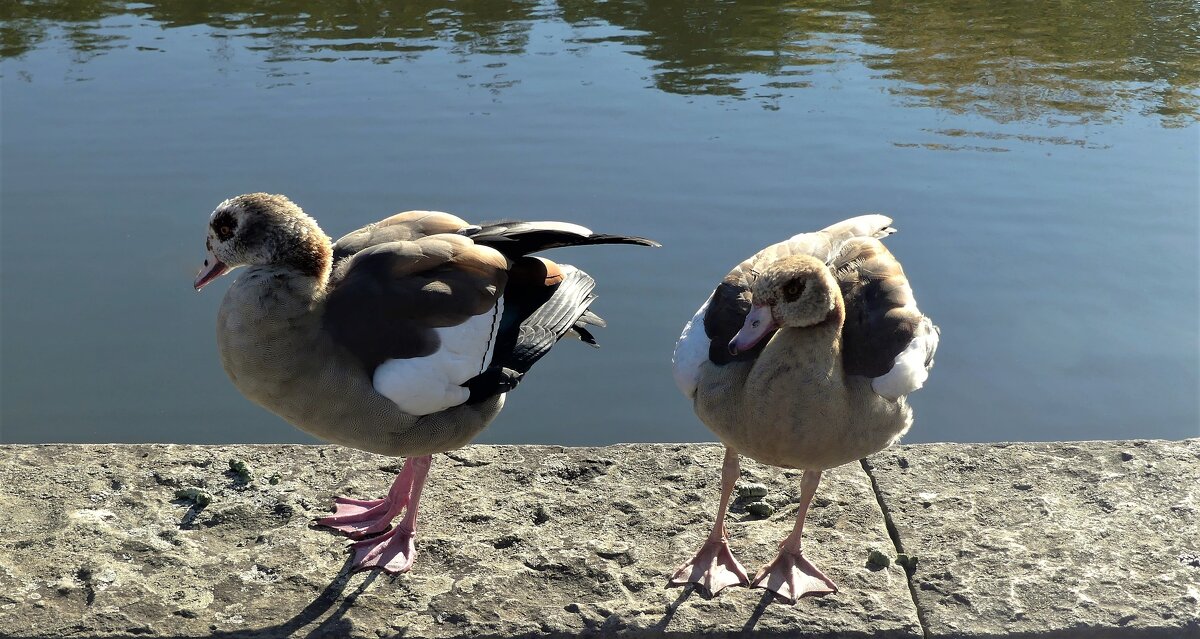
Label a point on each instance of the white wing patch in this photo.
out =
(908, 371)
(424, 385)
(690, 352)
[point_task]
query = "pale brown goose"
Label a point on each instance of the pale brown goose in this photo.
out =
(401, 338)
(802, 358)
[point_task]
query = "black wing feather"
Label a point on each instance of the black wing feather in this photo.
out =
(535, 319)
(539, 328)
(515, 239)
(726, 312)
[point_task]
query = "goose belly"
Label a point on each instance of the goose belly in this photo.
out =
(810, 426)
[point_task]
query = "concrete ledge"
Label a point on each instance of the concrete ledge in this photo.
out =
(1048, 540)
(1087, 539)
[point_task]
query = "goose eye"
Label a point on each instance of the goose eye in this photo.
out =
(792, 288)
(224, 232)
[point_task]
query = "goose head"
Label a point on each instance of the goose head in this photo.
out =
(795, 292)
(260, 229)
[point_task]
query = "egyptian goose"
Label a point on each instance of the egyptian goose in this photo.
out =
(802, 358)
(401, 338)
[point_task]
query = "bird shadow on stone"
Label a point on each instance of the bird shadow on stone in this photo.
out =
(334, 625)
(765, 602)
(661, 624)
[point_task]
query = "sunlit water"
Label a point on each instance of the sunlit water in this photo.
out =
(1041, 163)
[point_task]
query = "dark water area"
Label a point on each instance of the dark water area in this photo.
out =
(1041, 160)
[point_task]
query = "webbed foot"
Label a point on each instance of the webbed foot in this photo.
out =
(791, 576)
(392, 552)
(714, 568)
(357, 518)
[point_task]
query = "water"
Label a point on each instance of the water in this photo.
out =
(1042, 162)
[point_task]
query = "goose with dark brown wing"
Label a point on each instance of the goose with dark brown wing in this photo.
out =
(402, 338)
(802, 358)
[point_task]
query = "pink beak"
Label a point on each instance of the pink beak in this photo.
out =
(212, 269)
(759, 324)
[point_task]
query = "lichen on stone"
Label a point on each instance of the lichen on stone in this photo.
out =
(906, 561)
(200, 498)
(239, 468)
(760, 509)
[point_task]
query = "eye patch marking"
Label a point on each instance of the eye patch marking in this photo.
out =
(224, 224)
(793, 289)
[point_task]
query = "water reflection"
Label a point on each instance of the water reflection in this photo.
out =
(25, 26)
(1002, 60)
(726, 48)
(1011, 61)
(323, 31)
(362, 30)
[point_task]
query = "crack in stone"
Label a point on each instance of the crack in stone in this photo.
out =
(898, 544)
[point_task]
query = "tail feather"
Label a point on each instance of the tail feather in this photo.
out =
(592, 319)
(584, 335)
(580, 330)
(870, 225)
(515, 239)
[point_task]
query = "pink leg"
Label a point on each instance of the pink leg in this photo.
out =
(714, 567)
(791, 576)
(358, 518)
(395, 550)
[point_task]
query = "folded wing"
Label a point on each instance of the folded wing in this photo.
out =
(441, 312)
(885, 337)
(421, 316)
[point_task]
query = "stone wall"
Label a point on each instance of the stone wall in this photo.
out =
(1090, 539)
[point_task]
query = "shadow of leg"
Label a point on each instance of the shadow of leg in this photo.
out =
(661, 624)
(324, 601)
(335, 625)
(767, 599)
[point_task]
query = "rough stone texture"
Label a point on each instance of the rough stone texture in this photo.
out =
(513, 541)
(1091, 539)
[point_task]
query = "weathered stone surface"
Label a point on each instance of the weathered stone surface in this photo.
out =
(513, 541)
(1091, 539)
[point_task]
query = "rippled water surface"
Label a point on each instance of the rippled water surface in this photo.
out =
(1040, 159)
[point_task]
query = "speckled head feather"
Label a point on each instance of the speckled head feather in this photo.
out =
(799, 288)
(265, 229)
